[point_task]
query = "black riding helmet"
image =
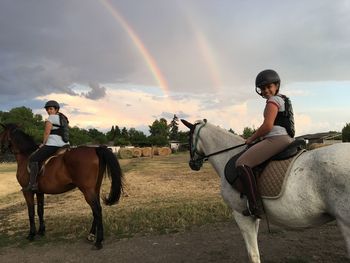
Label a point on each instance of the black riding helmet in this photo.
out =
(266, 77)
(52, 103)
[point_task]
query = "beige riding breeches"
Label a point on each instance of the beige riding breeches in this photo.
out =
(263, 150)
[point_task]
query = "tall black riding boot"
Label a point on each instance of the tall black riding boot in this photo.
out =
(248, 180)
(33, 184)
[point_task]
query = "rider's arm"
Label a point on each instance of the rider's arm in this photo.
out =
(48, 127)
(271, 111)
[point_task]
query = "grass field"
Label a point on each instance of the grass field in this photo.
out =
(163, 196)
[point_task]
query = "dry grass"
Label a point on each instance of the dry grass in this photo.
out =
(163, 195)
(8, 181)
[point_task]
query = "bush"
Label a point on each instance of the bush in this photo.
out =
(346, 133)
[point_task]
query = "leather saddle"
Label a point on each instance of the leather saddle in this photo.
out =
(59, 151)
(291, 150)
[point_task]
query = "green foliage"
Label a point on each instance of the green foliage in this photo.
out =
(138, 138)
(158, 140)
(24, 117)
(183, 136)
(247, 132)
(97, 136)
(174, 128)
(78, 136)
(159, 132)
(111, 134)
(120, 141)
(346, 133)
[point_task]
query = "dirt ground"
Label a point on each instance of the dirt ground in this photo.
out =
(217, 242)
(220, 242)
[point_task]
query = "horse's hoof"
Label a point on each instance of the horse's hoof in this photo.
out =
(91, 237)
(97, 246)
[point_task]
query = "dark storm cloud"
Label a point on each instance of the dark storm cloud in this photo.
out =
(96, 92)
(45, 46)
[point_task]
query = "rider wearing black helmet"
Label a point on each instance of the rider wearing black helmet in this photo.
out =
(274, 135)
(52, 103)
(52, 141)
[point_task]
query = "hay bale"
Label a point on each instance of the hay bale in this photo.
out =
(136, 152)
(146, 152)
(155, 151)
(125, 153)
(164, 151)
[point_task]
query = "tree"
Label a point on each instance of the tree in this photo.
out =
(183, 136)
(24, 117)
(124, 133)
(137, 138)
(122, 137)
(159, 132)
(346, 133)
(97, 136)
(159, 127)
(247, 132)
(174, 128)
(111, 134)
(78, 136)
(117, 130)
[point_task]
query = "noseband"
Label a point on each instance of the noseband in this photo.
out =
(196, 163)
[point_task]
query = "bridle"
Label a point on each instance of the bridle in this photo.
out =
(196, 163)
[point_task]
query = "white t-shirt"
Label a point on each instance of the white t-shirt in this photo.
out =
(276, 130)
(54, 139)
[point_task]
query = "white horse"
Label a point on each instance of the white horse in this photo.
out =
(317, 190)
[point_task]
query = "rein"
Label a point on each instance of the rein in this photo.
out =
(224, 150)
(195, 164)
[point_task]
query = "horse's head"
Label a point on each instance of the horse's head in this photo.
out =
(197, 156)
(14, 139)
(5, 137)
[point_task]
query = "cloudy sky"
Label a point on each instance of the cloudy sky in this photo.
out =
(128, 62)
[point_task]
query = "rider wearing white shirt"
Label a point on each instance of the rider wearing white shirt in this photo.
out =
(52, 141)
(274, 135)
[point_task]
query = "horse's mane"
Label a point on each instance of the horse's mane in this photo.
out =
(224, 133)
(24, 142)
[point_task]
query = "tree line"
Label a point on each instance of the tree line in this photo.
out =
(161, 132)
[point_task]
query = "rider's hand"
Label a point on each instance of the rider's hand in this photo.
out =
(249, 141)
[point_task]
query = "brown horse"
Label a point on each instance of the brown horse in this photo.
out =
(81, 167)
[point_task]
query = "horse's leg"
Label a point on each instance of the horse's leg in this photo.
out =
(40, 210)
(249, 228)
(29, 197)
(93, 200)
(92, 234)
(99, 224)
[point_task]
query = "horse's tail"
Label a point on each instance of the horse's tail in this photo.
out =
(109, 163)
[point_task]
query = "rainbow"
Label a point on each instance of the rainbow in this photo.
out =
(204, 48)
(209, 59)
(151, 63)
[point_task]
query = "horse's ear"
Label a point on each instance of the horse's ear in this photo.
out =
(187, 124)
